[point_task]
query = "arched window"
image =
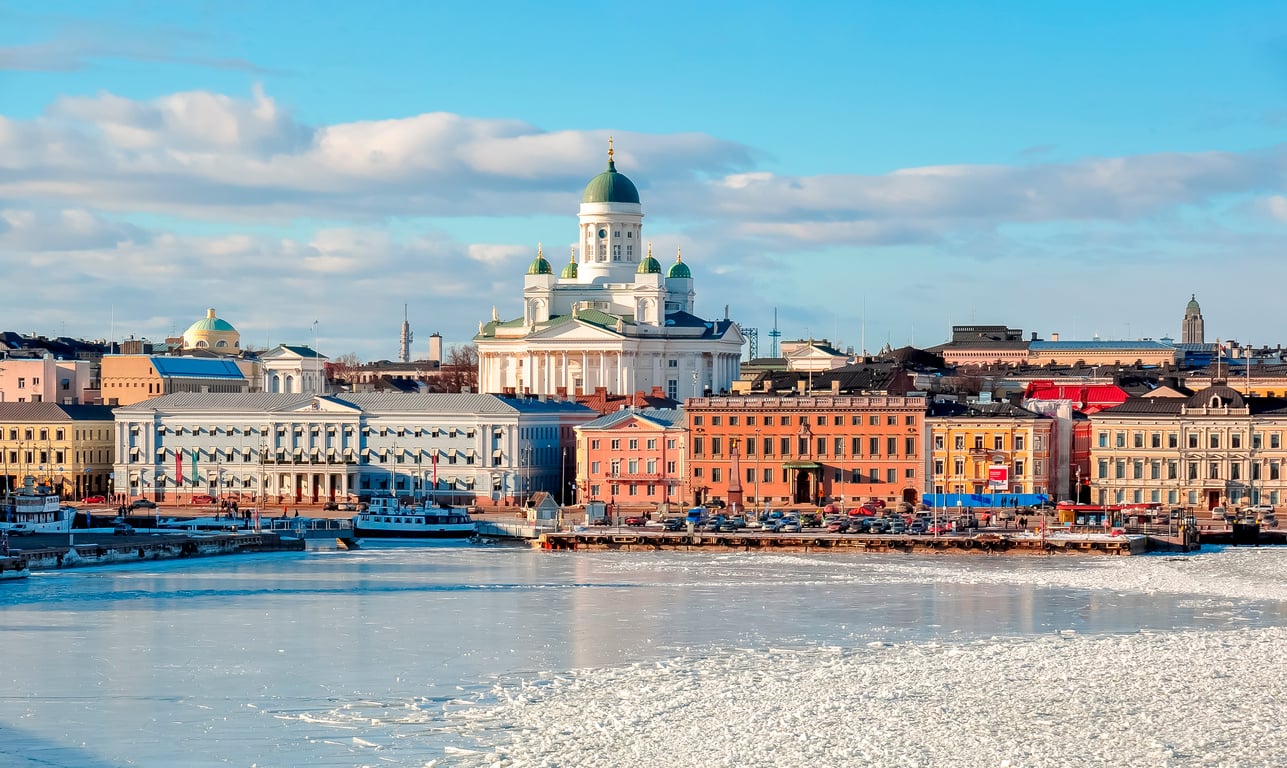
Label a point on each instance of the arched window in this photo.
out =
(220, 344)
(202, 344)
(290, 384)
(275, 383)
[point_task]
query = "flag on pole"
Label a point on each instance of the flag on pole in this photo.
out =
(196, 476)
(435, 469)
(178, 468)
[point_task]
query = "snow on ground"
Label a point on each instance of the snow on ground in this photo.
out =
(1182, 699)
(1238, 573)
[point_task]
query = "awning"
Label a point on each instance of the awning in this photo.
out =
(801, 465)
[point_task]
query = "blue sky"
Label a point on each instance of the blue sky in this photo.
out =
(1078, 168)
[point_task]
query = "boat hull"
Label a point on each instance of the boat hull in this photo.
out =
(427, 532)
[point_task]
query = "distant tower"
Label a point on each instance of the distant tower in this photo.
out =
(774, 334)
(752, 341)
(404, 352)
(1194, 332)
(435, 348)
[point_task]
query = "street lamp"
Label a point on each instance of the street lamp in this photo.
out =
(758, 499)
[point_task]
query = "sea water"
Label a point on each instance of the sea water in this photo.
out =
(458, 656)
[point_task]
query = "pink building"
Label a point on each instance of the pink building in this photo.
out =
(632, 458)
(46, 380)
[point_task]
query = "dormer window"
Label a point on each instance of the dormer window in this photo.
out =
(1215, 401)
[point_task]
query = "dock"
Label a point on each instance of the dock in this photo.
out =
(986, 543)
(46, 552)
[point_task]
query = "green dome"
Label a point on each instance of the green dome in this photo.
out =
(208, 324)
(610, 187)
(1192, 307)
(569, 271)
(649, 266)
(679, 269)
(540, 266)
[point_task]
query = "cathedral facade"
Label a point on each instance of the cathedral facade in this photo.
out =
(612, 318)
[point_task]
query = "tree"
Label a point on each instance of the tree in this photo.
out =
(460, 369)
(340, 368)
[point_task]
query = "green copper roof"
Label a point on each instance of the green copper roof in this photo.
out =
(211, 324)
(540, 266)
(679, 269)
(1192, 307)
(649, 266)
(610, 187)
(569, 271)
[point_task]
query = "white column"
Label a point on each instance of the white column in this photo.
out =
(567, 378)
(585, 371)
(603, 369)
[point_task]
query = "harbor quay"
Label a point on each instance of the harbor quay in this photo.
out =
(53, 551)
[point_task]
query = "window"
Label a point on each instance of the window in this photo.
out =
(909, 446)
(1103, 439)
(717, 421)
(615, 445)
(938, 442)
(959, 444)
(732, 421)
(978, 442)
(891, 446)
(1119, 439)
(1235, 440)
(1018, 442)
(1213, 440)
(1275, 439)
(673, 363)
(1018, 468)
(768, 474)
(891, 475)
(958, 467)
(750, 446)
(1172, 440)
(634, 444)
(1138, 439)
(856, 445)
(891, 420)
(1103, 469)
(595, 467)
(1193, 470)
(1172, 470)
(873, 421)
(1213, 470)
(698, 446)
(909, 473)
(1256, 441)
(615, 467)
(1235, 470)
(784, 445)
(938, 466)
(1155, 440)
(632, 466)
(873, 445)
(822, 446)
(1119, 471)
(840, 446)
(909, 420)
(768, 446)
(802, 446)
(594, 444)
(717, 446)
(998, 443)
(821, 421)
(717, 474)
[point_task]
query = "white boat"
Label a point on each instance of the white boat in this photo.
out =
(388, 518)
(27, 512)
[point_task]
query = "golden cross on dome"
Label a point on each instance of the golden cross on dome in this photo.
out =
(609, 147)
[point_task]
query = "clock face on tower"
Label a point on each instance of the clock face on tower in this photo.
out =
(603, 233)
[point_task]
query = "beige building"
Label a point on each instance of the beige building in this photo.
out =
(1102, 352)
(1215, 448)
(66, 448)
(969, 442)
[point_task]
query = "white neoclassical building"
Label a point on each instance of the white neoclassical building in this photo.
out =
(612, 318)
(296, 369)
(284, 448)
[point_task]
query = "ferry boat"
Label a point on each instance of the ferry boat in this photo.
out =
(27, 512)
(387, 517)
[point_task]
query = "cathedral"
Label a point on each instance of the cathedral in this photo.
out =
(612, 318)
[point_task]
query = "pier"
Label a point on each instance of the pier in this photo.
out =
(986, 543)
(44, 552)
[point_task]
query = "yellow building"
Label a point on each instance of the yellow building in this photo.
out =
(212, 334)
(969, 443)
(66, 448)
(1215, 448)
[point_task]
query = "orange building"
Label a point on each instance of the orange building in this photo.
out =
(631, 458)
(806, 450)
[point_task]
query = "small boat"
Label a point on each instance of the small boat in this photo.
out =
(27, 512)
(387, 517)
(13, 568)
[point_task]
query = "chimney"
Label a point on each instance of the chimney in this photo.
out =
(1034, 335)
(835, 386)
(802, 386)
(1054, 337)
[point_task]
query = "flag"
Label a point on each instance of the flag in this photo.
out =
(435, 469)
(196, 476)
(178, 468)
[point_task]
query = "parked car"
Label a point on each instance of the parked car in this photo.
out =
(917, 528)
(876, 525)
(122, 529)
(94, 500)
(716, 504)
(331, 506)
(897, 526)
(836, 526)
(636, 520)
(938, 529)
(789, 525)
(202, 498)
(142, 504)
(672, 524)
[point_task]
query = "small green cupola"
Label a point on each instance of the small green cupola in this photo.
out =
(649, 266)
(569, 269)
(610, 186)
(679, 269)
(540, 266)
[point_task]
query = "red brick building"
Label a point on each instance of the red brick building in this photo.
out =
(806, 449)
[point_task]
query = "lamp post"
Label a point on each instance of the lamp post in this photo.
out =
(759, 500)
